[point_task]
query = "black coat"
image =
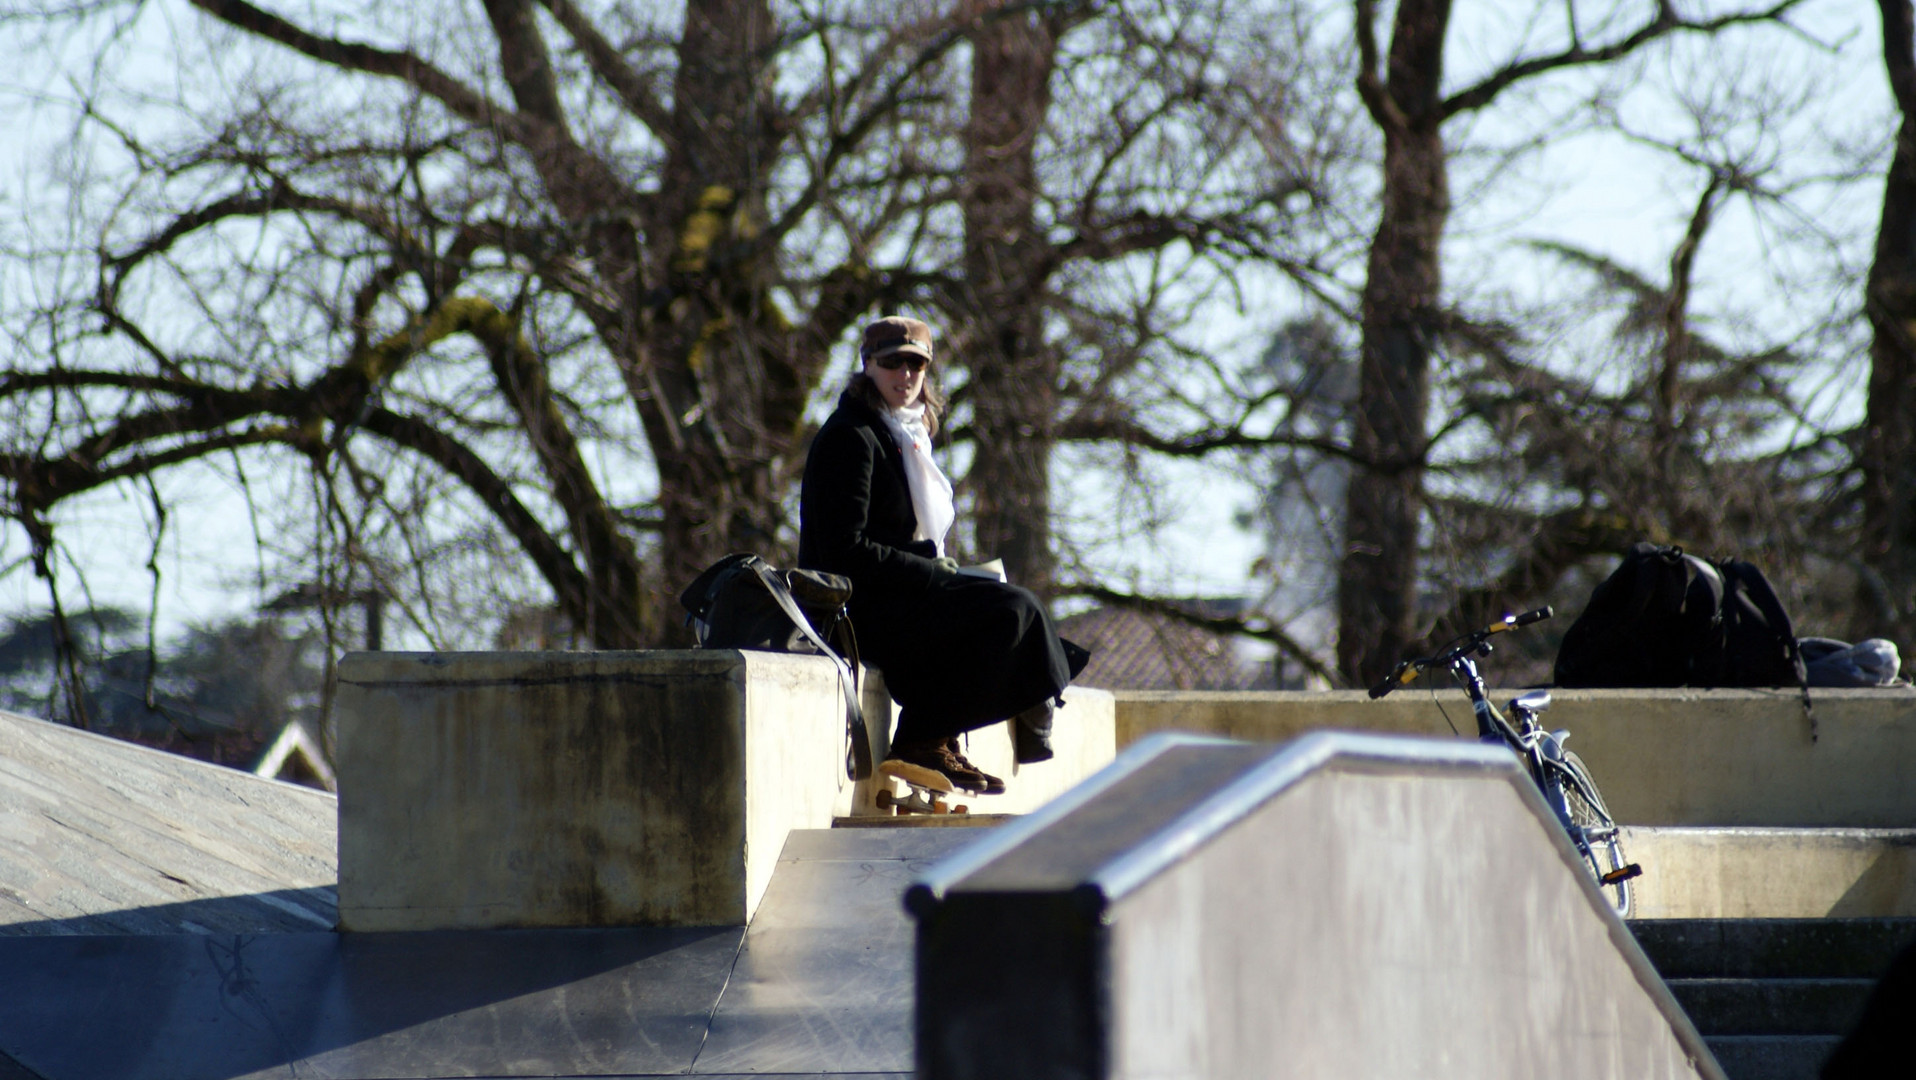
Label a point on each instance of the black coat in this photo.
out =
(957, 652)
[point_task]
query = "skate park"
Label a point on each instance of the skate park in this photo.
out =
(646, 864)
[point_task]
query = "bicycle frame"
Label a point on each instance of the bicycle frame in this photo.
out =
(1559, 777)
(1539, 748)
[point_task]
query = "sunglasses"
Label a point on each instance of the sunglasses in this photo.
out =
(900, 359)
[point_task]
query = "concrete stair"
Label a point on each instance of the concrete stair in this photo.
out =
(1773, 997)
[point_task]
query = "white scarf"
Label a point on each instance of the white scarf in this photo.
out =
(930, 488)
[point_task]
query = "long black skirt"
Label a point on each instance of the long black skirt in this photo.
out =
(966, 653)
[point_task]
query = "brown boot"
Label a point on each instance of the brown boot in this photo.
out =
(928, 764)
(987, 783)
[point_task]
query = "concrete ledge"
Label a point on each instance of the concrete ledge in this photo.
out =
(1773, 873)
(1662, 757)
(1083, 738)
(577, 789)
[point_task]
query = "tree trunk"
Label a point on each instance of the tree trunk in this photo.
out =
(1886, 594)
(1014, 376)
(1377, 580)
(705, 357)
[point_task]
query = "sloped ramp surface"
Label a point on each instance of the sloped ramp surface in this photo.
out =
(100, 836)
(820, 985)
(1343, 905)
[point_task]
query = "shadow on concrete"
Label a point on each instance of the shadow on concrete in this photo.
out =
(1887, 888)
(491, 1003)
(277, 911)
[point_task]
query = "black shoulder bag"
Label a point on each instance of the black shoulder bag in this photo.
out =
(743, 602)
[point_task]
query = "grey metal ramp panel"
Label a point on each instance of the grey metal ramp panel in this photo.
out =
(1153, 796)
(103, 836)
(507, 1003)
(824, 983)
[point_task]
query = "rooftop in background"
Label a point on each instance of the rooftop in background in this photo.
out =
(1139, 650)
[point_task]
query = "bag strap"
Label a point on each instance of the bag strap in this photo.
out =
(858, 759)
(1763, 595)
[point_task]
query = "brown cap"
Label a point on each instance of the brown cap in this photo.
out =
(895, 334)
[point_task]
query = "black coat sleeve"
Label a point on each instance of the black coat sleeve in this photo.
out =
(836, 517)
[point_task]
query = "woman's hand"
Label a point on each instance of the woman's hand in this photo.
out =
(947, 566)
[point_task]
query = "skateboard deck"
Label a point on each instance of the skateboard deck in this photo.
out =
(926, 790)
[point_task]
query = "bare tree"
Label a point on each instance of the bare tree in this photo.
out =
(1013, 370)
(1403, 88)
(1886, 592)
(655, 205)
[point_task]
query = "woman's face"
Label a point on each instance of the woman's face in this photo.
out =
(900, 386)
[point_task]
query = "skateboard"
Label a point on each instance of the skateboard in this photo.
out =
(924, 794)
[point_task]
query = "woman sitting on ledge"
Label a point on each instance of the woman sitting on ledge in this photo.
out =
(958, 651)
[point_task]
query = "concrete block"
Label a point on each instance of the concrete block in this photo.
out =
(1083, 740)
(1662, 757)
(1773, 873)
(1340, 906)
(577, 789)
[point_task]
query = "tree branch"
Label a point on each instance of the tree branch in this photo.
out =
(1559, 542)
(1370, 82)
(554, 563)
(404, 66)
(1666, 22)
(1083, 428)
(611, 68)
(581, 185)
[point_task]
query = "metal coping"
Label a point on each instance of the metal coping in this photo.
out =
(929, 890)
(1190, 829)
(1231, 803)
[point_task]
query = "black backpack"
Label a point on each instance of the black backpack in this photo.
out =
(1645, 623)
(743, 602)
(1664, 618)
(1759, 644)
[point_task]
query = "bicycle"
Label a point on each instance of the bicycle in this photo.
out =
(1559, 774)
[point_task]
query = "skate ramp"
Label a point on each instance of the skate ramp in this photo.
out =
(1343, 905)
(100, 836)
(819, 985)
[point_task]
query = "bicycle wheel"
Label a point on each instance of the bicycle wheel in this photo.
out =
(1600, 839)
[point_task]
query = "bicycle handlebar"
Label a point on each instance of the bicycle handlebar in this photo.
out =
(1528, 617)
(1406, 672)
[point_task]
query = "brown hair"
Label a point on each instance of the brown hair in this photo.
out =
(864, 389)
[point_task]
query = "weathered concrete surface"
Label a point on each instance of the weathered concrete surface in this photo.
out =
(818, 986)
(99, 836)
(824, 982)
(1338, 908)
(1662, 757)
(578, 789)
(1773, 873)
(1083, 740)
(1427, 922)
